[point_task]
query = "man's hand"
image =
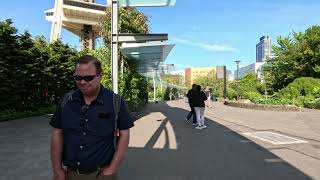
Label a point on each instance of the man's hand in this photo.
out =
(107, 171)
(59, 174)
(56, 152)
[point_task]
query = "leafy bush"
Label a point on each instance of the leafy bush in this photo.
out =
(313, 104)
(167, 94)
(253, 96)
(274, 101)
(6, 115)
(231, 94)
(301, 91)
(42, 71)
(248, 84)
(296, 55)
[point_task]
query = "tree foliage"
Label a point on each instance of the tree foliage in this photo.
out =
(249, 87)
(301, 91)
(166, 95)
(132, 86)
(173, 79)
(208, 80)
(297, 56)
(130, 21)
(32, 72)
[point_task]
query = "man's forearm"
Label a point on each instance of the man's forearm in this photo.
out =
(121, 149)
(56, 149)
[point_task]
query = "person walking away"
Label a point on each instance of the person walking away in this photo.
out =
(190, 96)
(199, 106)
(91, 126)
(208, 95)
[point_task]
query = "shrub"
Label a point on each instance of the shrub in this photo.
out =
(231, 94)
(6, 115)
(253, 96)
(313, 104)
(305, 86)
(167, 94)
(274, 101)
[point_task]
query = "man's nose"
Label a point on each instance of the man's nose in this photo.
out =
(82, 81)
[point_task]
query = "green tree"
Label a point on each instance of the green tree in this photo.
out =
(174, 91)
(32, 72)
(167, 94)
(132, 85)
(9, 63)
(173, 79)
(296, 56)
(208, 80)
(130, 21)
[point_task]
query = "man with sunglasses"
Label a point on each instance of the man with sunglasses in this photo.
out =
(82, 143)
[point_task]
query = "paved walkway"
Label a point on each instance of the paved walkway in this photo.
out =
(163, 146)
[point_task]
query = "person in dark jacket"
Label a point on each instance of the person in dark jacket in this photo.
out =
(191, 93)
(199, 106)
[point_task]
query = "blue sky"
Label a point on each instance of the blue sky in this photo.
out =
(206, 32)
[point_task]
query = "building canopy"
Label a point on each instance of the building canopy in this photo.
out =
(145, 3)
(148, 55)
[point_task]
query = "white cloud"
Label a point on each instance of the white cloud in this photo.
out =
(217, 47)
(207, 46)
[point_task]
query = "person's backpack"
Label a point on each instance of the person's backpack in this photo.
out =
(116, 105)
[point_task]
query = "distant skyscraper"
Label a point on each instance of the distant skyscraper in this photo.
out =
(264, 49)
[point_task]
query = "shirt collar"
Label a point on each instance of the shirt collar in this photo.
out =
(101, 94)
(78, 96)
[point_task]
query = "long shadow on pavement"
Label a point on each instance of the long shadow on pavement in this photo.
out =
(212, 153)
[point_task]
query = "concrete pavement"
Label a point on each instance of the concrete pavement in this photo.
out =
(302, 125)
(217, 152)
(163, 146)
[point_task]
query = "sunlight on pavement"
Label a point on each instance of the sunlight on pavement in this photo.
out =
(157, 132)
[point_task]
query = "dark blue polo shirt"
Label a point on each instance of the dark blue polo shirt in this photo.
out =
(88, 131)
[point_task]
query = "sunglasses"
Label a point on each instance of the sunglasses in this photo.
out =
(86, 78)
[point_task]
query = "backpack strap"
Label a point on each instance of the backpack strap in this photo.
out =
(116, 106)
(67, 97)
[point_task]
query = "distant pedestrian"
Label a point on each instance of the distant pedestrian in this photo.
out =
(199, 106)
(190, 95)
(208, 95)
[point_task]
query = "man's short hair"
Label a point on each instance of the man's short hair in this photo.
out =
(86, 59)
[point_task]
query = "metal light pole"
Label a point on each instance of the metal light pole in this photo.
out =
(154, 85)
(224, 82)
(237, 92)
(114, 45)
(115, 4)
